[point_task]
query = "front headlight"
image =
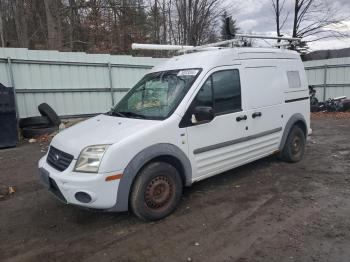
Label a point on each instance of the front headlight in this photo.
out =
(90, 158)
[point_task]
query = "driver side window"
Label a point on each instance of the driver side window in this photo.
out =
(204, 96)
(221, 91)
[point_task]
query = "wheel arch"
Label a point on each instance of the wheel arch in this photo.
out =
(296, 119)
(171, 160)
(168, 153)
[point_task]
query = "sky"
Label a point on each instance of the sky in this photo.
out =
(256, 17)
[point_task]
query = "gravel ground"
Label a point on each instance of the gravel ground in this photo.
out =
(264, 211)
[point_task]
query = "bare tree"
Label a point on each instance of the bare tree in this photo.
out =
(312, 20)
(54, 24)
(108, 25)
(312, 17)
(155, 14)
(20, 22)
(193, 21)
(1, 28)
(73, 23)
(278, 8)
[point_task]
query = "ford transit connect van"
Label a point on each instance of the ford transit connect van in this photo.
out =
(192, 117)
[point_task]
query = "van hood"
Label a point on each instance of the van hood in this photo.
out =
(102, 129)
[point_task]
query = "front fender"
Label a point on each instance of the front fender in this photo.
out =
(143, 157)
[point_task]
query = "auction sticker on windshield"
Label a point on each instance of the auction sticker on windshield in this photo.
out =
(188, 72)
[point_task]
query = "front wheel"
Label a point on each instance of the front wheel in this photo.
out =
(294, 147)
(156, 191)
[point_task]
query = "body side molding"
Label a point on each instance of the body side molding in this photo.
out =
(296, 99)
(236, 141)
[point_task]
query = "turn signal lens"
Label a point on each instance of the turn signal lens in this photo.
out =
(114, 177)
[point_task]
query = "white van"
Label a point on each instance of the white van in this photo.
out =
(192, 117)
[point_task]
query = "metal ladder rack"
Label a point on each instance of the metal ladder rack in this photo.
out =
(213, 46)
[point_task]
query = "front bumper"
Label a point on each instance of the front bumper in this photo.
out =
(65, 186)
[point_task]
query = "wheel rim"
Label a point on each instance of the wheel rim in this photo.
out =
(159, 192)
(296, 145)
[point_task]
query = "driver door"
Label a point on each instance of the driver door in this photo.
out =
(216, 146)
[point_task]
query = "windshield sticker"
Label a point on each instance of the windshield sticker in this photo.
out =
(188, 72)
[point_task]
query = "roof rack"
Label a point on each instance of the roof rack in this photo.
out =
(211, 46)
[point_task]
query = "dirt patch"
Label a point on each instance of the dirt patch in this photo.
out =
(265, 211)
(332, 115)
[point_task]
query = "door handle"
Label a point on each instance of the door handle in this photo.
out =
(256, 114)
(239, 118)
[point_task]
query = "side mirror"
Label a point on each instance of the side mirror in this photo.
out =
(202, 114)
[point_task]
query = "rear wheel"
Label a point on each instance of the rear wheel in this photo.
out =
(294, 147)
(156, 191)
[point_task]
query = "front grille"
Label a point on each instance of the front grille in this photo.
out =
(58, 159)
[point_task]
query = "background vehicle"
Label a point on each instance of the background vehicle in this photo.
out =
(337, 104)
(333, 104)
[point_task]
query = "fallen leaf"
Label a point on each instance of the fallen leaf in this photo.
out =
(11, 190)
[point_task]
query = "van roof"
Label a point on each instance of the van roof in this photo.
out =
(221, 57)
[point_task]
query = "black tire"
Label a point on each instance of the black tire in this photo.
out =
(156, 191)
(294, 147)
(46, 110)
(30, 132)
(314, 108)
(42, 121)
(346, 105)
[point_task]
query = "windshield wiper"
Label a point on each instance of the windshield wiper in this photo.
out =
(132, 114)
(116, 113)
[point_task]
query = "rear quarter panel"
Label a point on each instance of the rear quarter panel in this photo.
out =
(292, 95)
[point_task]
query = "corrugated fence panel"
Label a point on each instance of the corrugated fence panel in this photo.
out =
(79, 83)
(332, 74)
(4, 74)
(72, 83)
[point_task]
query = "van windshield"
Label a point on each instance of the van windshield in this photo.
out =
(156, 95)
